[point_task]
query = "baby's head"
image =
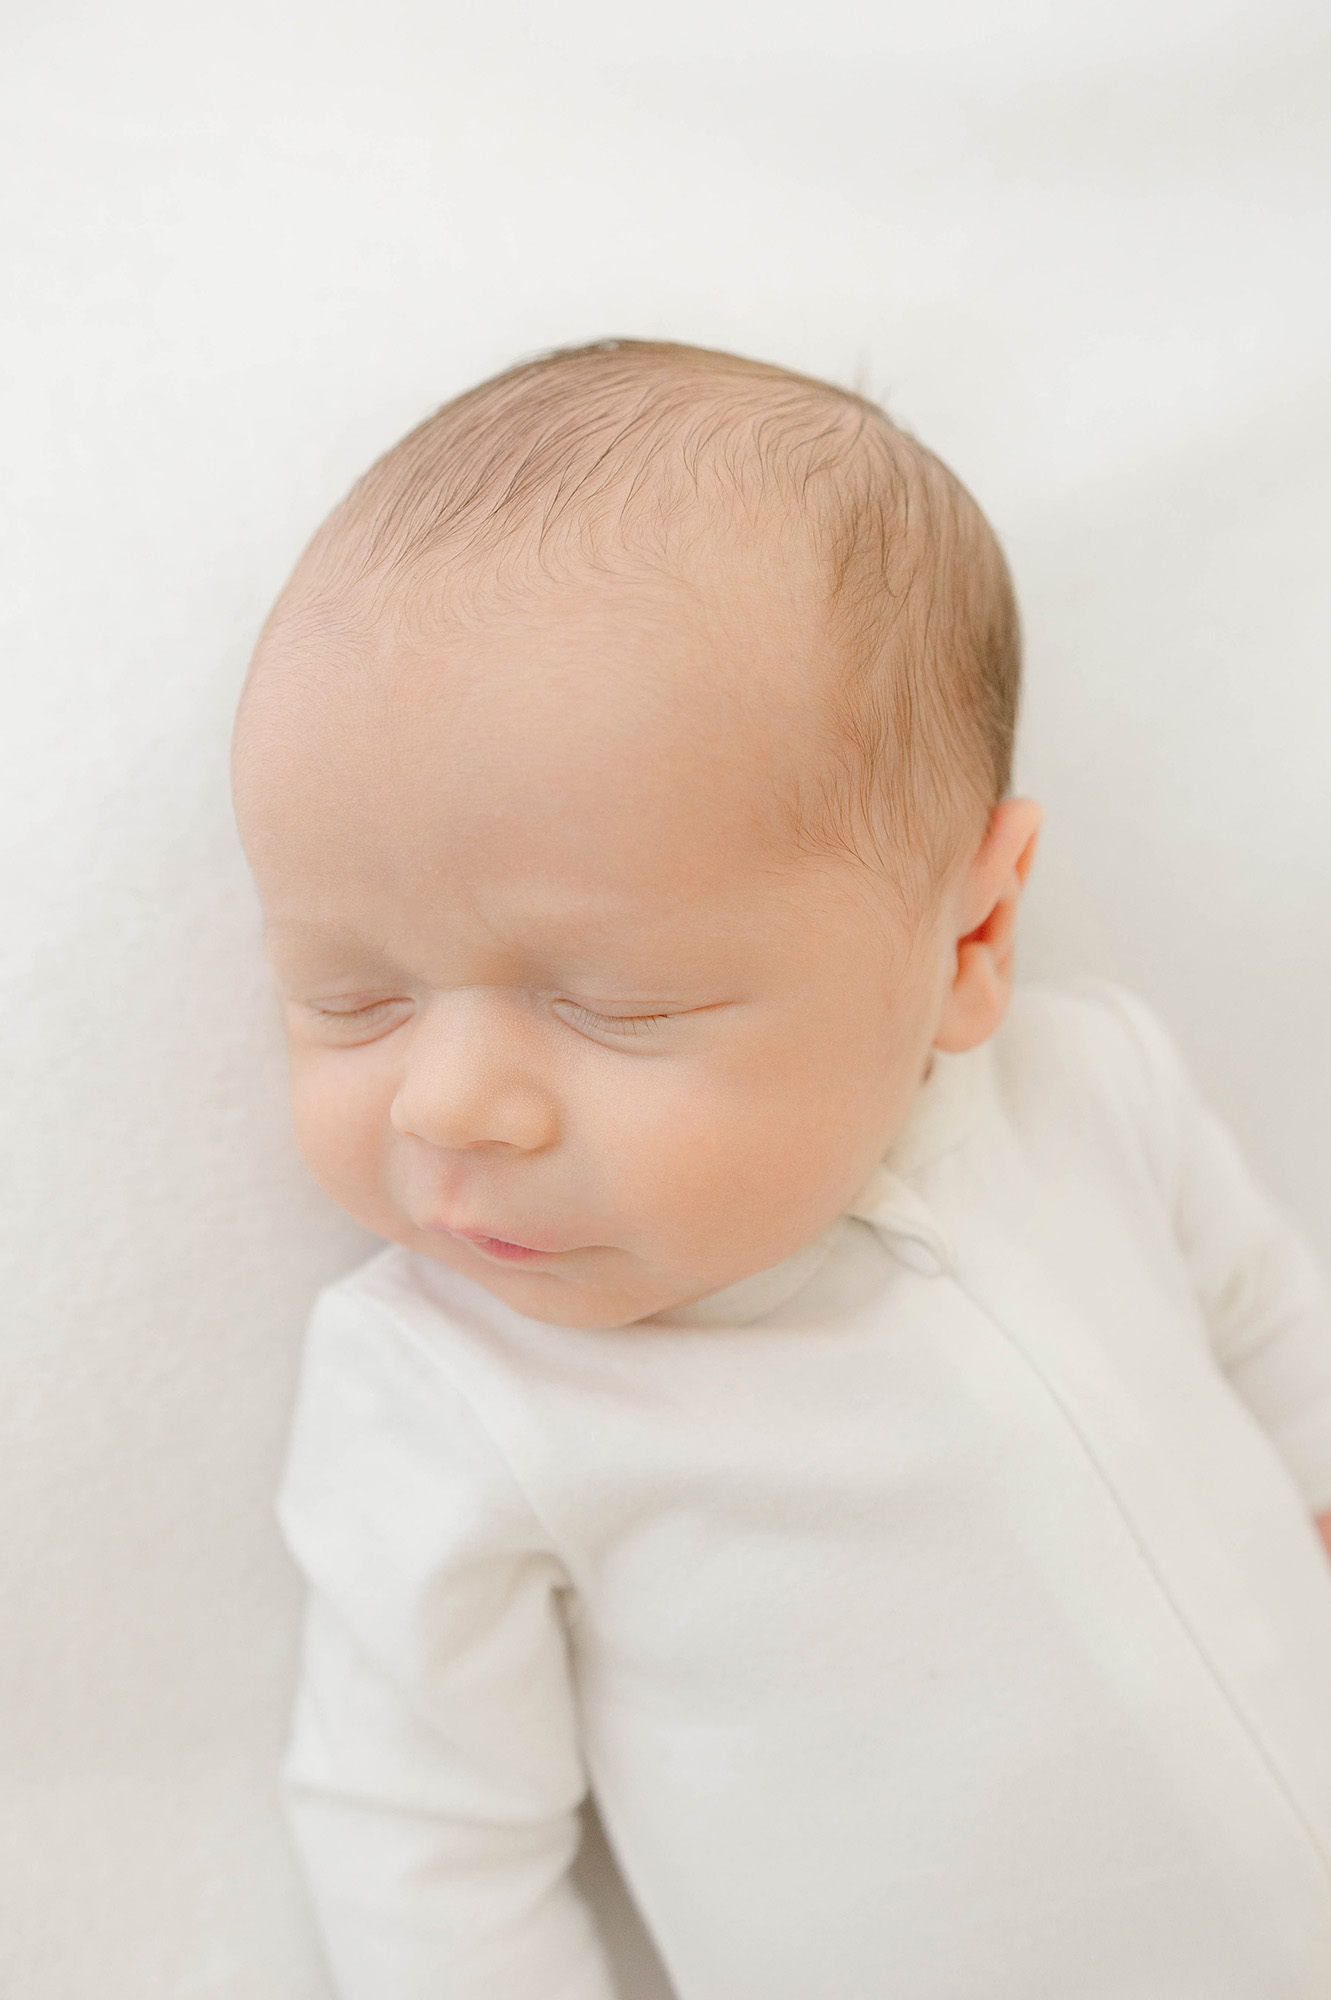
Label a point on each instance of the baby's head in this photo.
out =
(623, 772)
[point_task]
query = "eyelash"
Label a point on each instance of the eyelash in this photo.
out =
(354, 1016)
(637, 1024)
(634, 1025)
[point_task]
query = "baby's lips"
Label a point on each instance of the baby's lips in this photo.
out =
(503, 1247)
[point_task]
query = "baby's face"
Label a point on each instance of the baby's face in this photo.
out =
(565, 1011)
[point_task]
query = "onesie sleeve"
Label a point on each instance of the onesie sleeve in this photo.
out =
(1264, 1298)
(434, 1776)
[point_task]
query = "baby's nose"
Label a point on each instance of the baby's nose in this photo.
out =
(472, 1077)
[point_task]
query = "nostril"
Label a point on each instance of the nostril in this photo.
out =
(458, 1112)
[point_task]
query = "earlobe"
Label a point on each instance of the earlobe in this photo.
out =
(976, 1002)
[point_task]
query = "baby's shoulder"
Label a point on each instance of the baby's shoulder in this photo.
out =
(1090, 1057)
(1086, 1024)
(400, 1303)
(395, 1420)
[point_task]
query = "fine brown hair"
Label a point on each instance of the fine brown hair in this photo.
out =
(623, 451)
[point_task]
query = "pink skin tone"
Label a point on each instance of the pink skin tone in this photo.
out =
(565, 1010)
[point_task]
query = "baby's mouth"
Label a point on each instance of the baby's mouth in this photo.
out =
(499, 1248)
(506, 1253)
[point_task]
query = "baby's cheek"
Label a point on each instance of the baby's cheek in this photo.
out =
(340, 1125)
(707, 1165)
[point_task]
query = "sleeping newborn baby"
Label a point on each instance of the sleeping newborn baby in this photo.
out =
(862, 1424)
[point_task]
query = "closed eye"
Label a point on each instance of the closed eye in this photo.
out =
(628, 1026)
(361, 1024)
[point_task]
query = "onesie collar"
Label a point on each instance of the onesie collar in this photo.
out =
(943, 1112)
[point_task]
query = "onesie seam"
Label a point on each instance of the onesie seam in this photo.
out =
(1202, 1651)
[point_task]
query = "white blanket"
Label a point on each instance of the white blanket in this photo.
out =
(1082, 250)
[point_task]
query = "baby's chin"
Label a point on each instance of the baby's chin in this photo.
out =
(565, 1297)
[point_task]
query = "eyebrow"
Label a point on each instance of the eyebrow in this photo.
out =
(313, 941)
(308, 937)
(315, 927)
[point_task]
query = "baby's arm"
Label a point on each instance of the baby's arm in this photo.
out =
(434, 1776)
(1264, 1298)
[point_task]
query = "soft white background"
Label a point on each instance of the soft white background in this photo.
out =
(1082, 249)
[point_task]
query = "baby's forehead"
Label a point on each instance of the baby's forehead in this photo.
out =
(596, 778)
(590, 775)
(689, 689)
(642, 731)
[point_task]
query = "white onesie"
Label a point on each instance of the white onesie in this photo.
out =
(937, 1616)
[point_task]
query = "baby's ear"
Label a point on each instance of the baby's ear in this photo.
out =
(986, 910)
